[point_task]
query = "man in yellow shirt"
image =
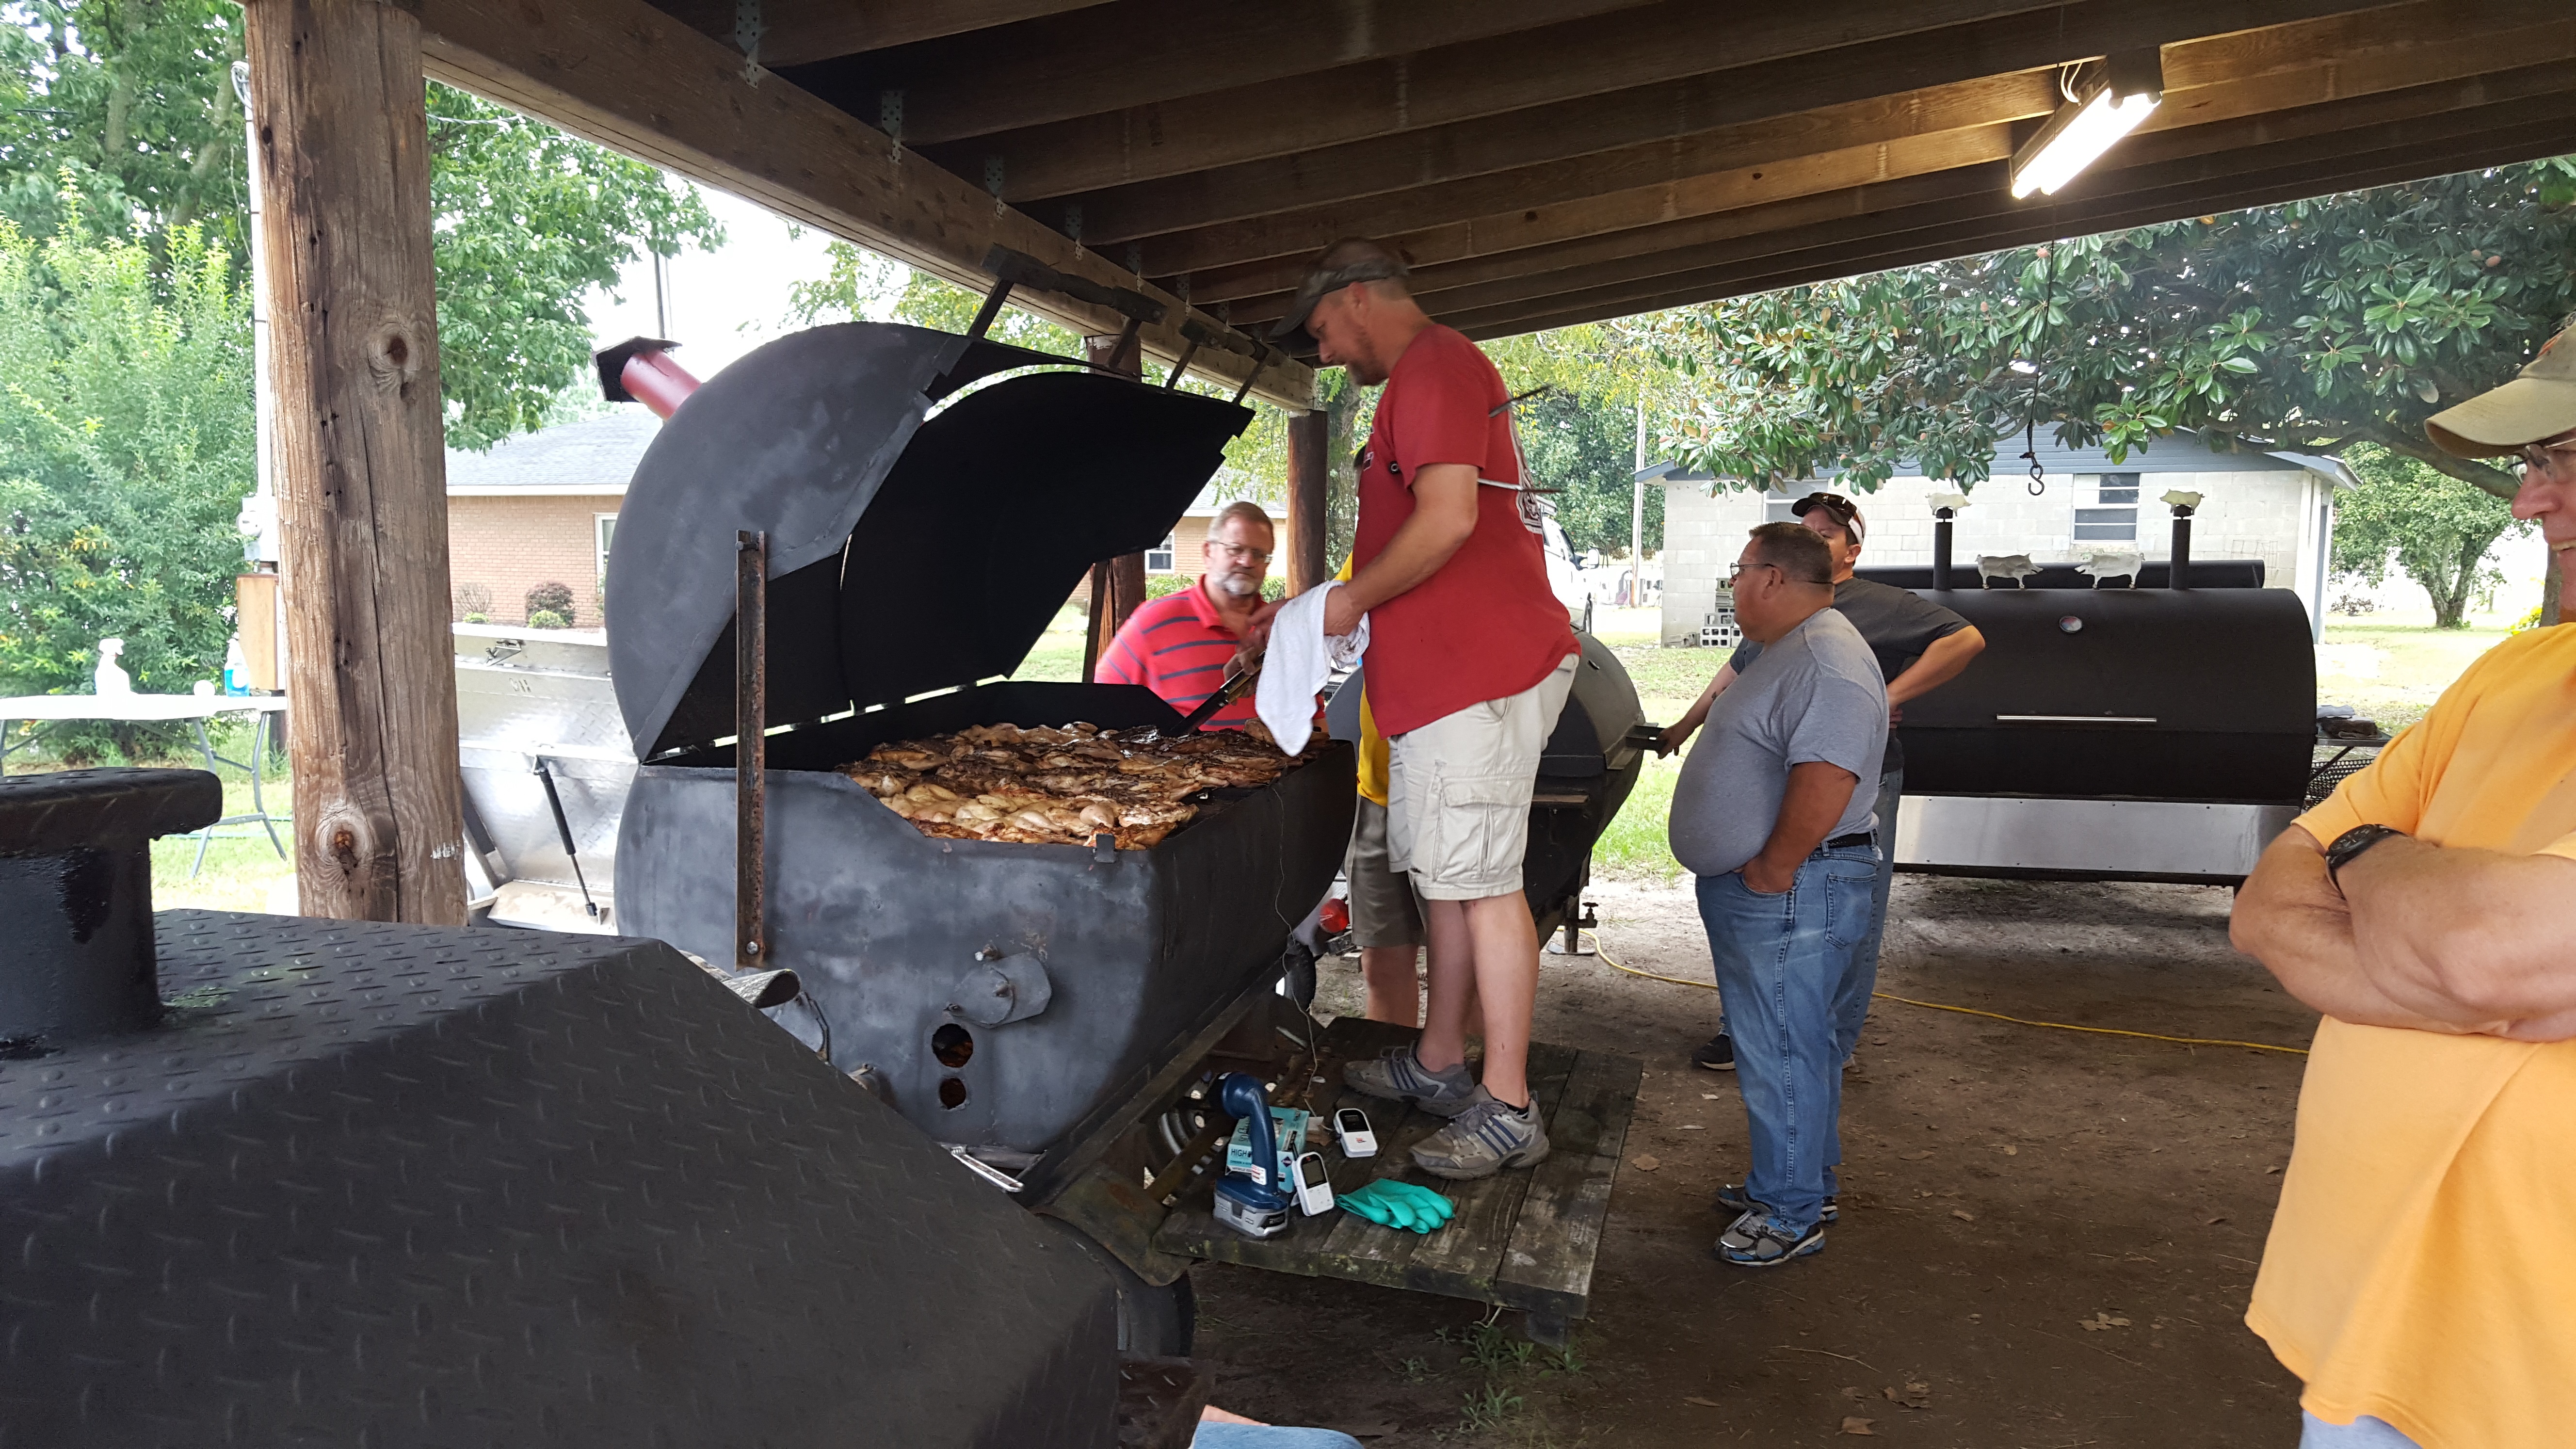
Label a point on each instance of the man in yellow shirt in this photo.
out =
(2421, 1273)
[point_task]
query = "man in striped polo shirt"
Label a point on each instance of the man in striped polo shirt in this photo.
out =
(1179, 645)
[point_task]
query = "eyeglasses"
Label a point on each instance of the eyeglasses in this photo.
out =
(1739, 570)
(2544, 457)
(1236, 550)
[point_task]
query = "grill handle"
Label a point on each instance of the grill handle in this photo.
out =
(2076, 719)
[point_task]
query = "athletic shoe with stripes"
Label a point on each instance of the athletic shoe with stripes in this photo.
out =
(1397, 1075)
(1483, 1140)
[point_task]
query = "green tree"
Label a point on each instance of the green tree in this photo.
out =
(125, 448)
(135, 98)
(1584, 448)
(2435, 529)
(528, 219)
(2310, 326)
(134, 101)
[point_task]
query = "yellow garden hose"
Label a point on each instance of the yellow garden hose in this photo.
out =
(1972, 1011)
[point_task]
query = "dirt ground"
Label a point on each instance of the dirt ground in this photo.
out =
(2047, 1237)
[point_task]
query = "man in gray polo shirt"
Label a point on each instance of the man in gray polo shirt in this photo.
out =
(1768, 815)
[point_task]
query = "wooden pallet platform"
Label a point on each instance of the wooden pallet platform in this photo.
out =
(1523, 1239)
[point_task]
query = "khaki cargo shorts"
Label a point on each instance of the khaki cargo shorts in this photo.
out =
(1383, 909)
(1458, 791)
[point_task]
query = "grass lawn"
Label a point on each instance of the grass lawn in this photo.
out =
(2392, 673)
(1057, 659)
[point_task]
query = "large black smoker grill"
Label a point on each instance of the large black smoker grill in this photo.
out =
(915, 555)
(2155, 733)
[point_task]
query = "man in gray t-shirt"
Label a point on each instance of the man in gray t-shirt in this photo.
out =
(1814, 694)
(1770, 817)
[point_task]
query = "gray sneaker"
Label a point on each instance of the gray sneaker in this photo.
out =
(1399, 1076)
(1483, 1140)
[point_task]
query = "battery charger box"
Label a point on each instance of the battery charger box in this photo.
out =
(1288, 1124)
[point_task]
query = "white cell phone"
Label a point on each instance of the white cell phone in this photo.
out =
(1314, 1185)
(1352, 1126)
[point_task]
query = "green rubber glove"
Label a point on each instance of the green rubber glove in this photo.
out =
(1367, 1202)
(1394, 1204)
(1429, 1208)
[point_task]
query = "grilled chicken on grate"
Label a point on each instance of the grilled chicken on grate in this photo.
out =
(1051, 786)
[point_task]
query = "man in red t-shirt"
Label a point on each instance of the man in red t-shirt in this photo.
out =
(1180, 644)
(1470, 659)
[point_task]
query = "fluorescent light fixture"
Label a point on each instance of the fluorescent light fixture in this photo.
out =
(2121, 94)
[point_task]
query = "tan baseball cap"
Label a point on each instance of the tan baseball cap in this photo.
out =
(2540, 403)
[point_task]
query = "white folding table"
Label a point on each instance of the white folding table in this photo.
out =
(196, 709)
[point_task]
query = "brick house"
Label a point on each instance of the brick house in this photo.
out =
(1183, 552)
(2276, 507)
(540, 508)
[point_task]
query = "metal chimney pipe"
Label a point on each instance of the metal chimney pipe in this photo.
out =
(2178, 573)
(76, 890)
(640, 369)
(1941, 529)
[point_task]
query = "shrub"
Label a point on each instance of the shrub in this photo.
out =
(547, 619)
(477, 619)
(473, 600)
(1274, 588)
(1163, 586)
(549, 598)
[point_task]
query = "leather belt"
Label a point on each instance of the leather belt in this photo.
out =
(1857, 837)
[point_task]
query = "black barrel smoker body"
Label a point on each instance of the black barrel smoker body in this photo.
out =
(405, 1186)
(2112, 734)
(917, 554)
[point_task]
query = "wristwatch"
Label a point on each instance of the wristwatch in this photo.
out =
(2348, 847)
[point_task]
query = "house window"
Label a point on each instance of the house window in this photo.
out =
(603, 528)
(1158, 559)
(2106, 508)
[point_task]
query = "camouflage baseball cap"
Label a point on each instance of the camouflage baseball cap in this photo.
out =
(1353, 259)
(2540, 403)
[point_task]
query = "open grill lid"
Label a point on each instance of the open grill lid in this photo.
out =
(907, 552)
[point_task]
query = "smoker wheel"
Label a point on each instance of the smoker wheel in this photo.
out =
(1298, 978)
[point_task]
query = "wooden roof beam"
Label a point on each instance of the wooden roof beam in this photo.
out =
(1975, 234)
(625, 75)
(2214, 148)
(794, 31)
(1661, 113)
(2228, 79)
(1454, 72)
(1142, 53)
(1642, 114)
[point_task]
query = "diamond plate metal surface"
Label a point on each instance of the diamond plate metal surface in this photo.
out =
(393, 1186)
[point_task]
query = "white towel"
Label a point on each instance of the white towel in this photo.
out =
(1298, 662)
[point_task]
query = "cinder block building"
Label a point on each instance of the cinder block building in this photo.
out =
(2277, 507)
(540, 508)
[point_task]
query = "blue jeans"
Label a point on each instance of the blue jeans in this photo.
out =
(1269, 1436)
(2364, 1432)
(1779, 961)
(1851, 999)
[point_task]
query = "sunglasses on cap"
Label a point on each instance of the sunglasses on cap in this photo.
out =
(1838, 508)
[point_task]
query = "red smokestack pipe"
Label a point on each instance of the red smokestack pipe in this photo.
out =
(640, 369)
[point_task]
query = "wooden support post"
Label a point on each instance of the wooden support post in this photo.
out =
(1308, 493)
(1125, 574)
(343, 157)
